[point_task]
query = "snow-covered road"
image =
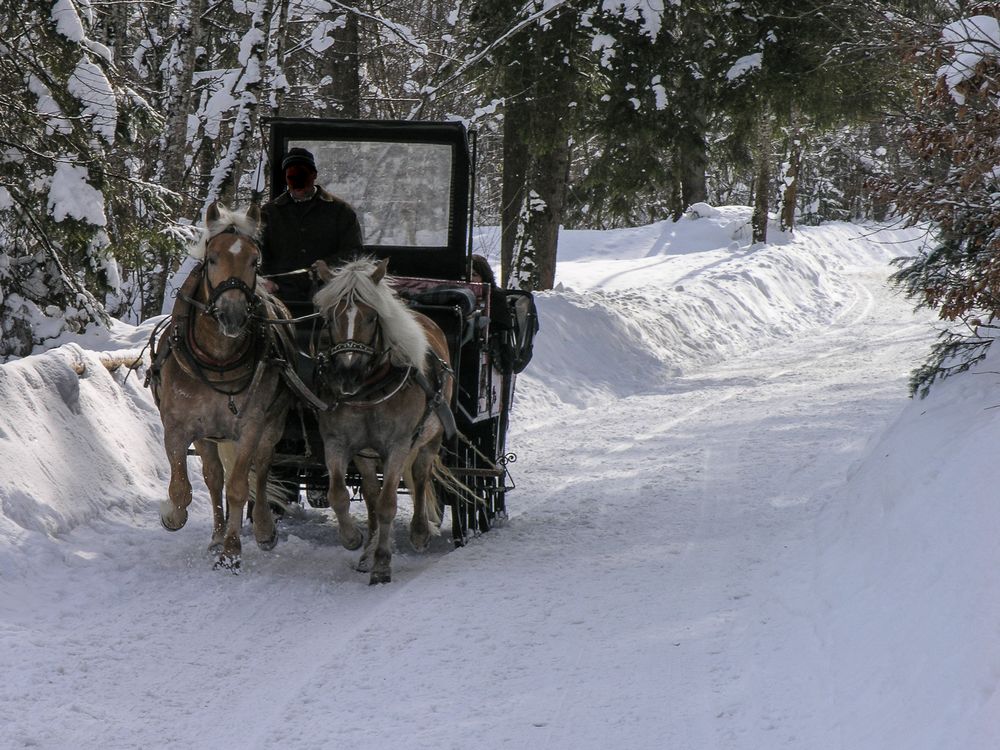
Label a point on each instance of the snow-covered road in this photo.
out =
(702, 503)
(652, 589)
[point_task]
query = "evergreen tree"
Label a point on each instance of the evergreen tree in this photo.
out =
(798, 69)
(540, 84)
(951, 180)
(65, 133)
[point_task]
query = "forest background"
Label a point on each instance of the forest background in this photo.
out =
(120, 121)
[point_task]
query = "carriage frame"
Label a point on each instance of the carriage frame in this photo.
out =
(412, 184)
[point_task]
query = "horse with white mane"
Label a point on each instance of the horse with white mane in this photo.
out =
(385, 371)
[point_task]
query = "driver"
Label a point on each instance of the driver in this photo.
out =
(303, 225)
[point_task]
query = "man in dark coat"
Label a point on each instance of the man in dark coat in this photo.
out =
(303, 225)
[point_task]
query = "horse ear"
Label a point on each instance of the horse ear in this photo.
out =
(379, 273)
(322, 270)
(212, 213)
(253, 213)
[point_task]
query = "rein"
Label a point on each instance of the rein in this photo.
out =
(284, 321)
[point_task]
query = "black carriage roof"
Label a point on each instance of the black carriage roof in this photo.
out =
(446, 254)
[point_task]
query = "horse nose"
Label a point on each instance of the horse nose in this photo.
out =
(349, 374)
(232, 316)
(354, 371)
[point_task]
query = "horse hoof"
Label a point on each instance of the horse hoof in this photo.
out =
(166, 511)
(354, 542)
(364, 564)
(268, 544)
(378, 577)
(228, 562)
(420, 542)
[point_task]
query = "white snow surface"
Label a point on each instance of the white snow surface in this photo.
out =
(731, 529)
(972, 40)
(93, 90)
(72, 196)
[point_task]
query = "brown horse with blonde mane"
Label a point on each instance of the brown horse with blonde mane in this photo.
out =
(217, 381)
(384, 371)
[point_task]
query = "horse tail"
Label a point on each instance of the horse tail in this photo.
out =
(442, 475)
(429, 496)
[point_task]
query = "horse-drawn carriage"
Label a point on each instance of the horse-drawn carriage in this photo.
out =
(411, 184)
(393, 373)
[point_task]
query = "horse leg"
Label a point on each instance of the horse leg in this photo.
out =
(424, 498)
(264, 530)
(368, 468)
(173, 511)
(385, 511)
(340, 500)
(211, 469)
(237, 492)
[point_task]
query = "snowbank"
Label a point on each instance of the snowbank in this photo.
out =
(74, 447)
(635, 308)
(909, 577)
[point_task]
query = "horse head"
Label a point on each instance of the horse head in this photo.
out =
(352, 345)
(231, 259)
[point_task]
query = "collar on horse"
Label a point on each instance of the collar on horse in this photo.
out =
(381, 385)
(229, 377)
(385, 380)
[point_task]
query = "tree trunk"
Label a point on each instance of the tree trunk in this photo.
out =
(877, 139)
(791, 170)
(344, 92)
(178, 103)
(515, 169)
(762, 178)
(692, 152)
(545, 218)
(675, 200)
(691, 141)
(790, 179)
(256, 86)
(553, 89)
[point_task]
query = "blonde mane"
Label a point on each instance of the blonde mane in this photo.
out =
(242, 223)
(404, 336)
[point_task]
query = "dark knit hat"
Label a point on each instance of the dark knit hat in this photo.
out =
(298, 156)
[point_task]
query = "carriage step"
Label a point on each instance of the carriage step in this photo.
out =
(461, 471)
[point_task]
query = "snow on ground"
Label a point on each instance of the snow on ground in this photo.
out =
(731, 529)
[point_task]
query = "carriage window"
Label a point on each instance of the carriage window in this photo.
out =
(401, 191)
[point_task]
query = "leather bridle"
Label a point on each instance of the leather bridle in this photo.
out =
(213, 293)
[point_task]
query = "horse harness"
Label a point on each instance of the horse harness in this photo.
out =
(386, 380)
(268, 340)
(230, 377)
